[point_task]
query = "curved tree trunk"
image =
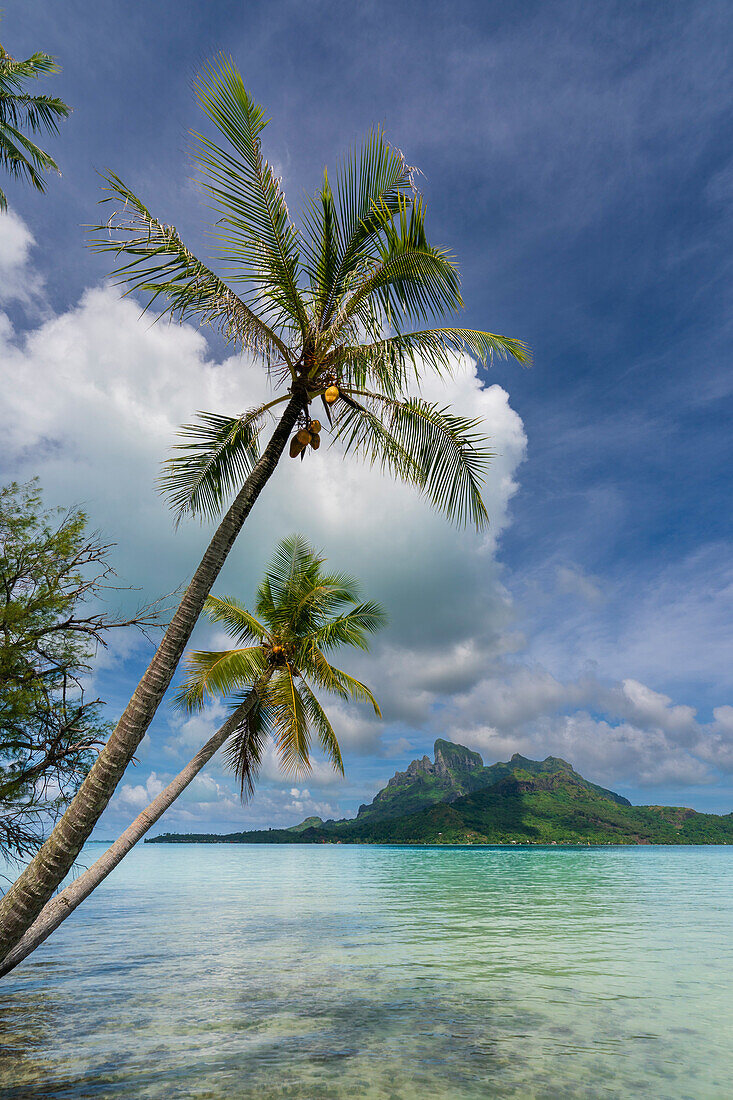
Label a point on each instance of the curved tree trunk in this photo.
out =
(59, 908)
(34, 887)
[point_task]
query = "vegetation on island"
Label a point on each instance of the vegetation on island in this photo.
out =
(520, 801)
(338, 311)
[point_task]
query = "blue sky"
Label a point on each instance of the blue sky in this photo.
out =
(577, 159)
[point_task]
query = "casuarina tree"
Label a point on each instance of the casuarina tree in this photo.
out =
(338, 311)
(55, 577)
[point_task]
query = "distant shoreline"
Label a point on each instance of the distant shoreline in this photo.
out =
(447, 844)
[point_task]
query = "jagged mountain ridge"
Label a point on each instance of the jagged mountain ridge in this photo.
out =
(518, 801)
(457, 771)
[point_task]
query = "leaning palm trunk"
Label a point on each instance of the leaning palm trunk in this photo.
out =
(57, 910)
(36, 885)
(360, 267)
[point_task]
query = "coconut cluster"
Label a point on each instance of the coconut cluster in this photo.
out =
(310, 436)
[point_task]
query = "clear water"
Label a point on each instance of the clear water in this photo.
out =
(395, 973)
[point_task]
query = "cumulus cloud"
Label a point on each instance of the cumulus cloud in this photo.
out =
(19, 281)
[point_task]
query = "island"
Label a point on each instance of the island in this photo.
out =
(456, 799)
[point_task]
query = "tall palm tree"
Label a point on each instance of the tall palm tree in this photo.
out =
(326, 310)
(20, 156)
(302, 614)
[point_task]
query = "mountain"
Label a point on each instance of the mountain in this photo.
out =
(455, 799)
(457, 771)
(309, 823)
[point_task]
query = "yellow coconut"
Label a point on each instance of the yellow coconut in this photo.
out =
(295, 447)
(331, 395)
(314, 426)
(303, 436)
(316, 442)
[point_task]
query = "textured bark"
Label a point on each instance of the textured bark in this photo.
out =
(59, 908)
(34, 887)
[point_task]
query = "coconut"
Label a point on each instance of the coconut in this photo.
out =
(316, 442)
(295, 447)
(314, 427)
(303, 436)
(332, 394)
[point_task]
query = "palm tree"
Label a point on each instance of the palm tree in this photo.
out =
(326, 310)
(302, 614)
(20, 156)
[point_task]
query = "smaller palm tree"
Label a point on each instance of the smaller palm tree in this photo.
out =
(19, 111)
(301, 614)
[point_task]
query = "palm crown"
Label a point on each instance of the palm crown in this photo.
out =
(302, 613)
(324, 307)
(20, 156)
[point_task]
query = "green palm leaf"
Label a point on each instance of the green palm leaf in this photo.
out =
(431, 447)
(290, 723)
(214, 673)
(395, 359)
(240, 623)
(221, 451)
(259, 239)
(318, 720)
(351, 628)
(246, 747)
(20, 156)
(162, 267)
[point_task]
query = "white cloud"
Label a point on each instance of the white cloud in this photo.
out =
(19, 281)
(654, 709)
(572, 580)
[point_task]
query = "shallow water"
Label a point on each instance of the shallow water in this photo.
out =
(384, 972)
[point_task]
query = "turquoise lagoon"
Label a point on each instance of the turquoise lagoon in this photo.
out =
(390, 973)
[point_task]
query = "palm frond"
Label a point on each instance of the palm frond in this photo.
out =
(219, 454)
(294, 559)
(373, 179)
(334, 680)
(351, 628)
(392, 361)
(410, 278)
(240, 623)
(162, 268)
(246, 747)
(35, 112)
(321, 246)
(290, 726)
(318, 720)
(22, 157)
(258, 236)
(13, 74)
(212, 674)
(440, 452)
(356, 689)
